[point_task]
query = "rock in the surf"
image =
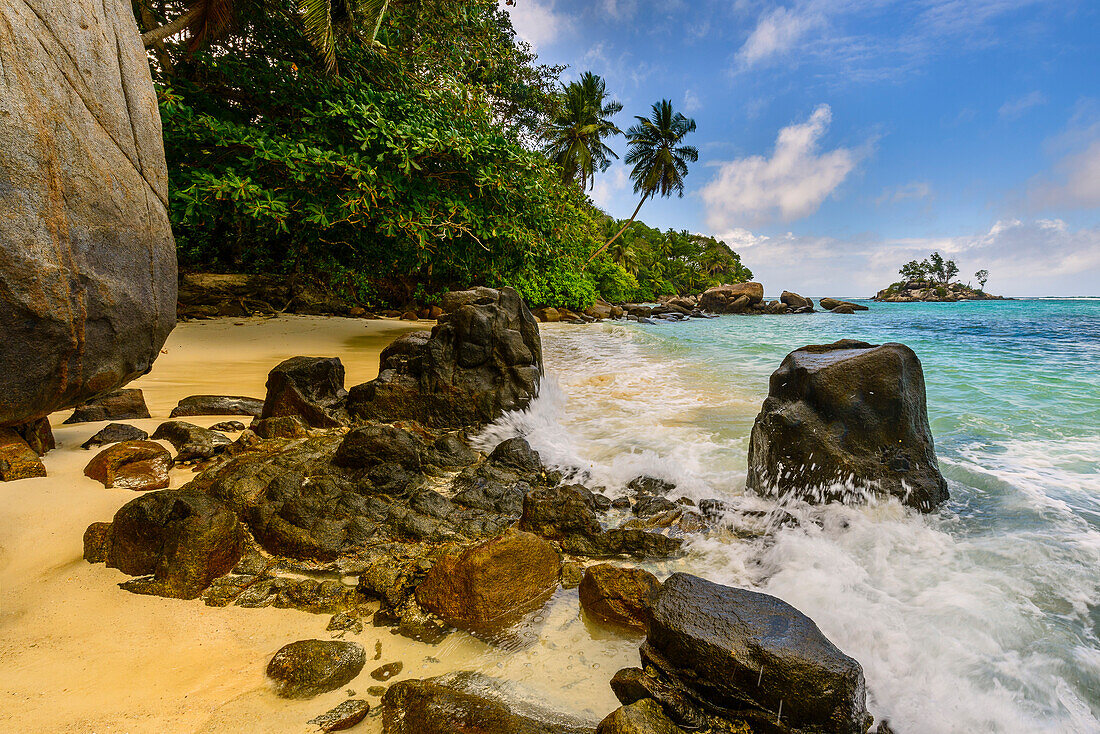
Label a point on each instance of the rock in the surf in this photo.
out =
(217, 405)
(620, 596)
(137, 465)
(183, 538)
(641, 717)
(847, 415)
(311, 388)
(344, 716)
(307, 668)
(190, 441)
(795, 301)
(119, 405)
(87, 259)
(831, 304)
(728, 649)
(484, 357)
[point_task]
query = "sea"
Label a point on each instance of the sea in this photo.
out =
(983, 616)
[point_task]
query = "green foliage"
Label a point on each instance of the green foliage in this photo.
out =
(935, 268)
(575, 138)
(982, 276)
(613, 282)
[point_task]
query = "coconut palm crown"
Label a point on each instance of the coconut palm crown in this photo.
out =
(575, 138)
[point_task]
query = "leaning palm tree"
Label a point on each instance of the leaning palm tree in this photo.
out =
(575, 138)
(660, 162)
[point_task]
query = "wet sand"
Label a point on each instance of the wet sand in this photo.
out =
(81, 655)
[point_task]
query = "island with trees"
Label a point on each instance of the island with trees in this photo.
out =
(933, 280)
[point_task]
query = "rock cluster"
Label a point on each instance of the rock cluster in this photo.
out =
(847, 416)
(929, 291)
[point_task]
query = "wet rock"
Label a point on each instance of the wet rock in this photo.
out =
(136, 465)
(646, 485)
(490, 586)
(735, 298)
(87, 259)
(484, 357)
(632, 685)
(469, 703)
(728, 649)
(217, 405)
(308, 668)
(114, 433)
(571, 575)
(228, 427)
(377, 691)
(844, 308)
(648, 506)
(376, 444)
(190, 441)
(387, 671)
(643, 717)
(795, 301)
(184, 538)
(517, 454)
(831, 304)
(346, 715)
(38, 434)
(311, 388)
(17, 459)
(449, 451)
(621, 596)
(97, 539)
(119, 405)
(345, 622)
(283, 426)
(847, 413)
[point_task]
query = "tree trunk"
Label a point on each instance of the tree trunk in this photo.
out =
(169, 29)
(628, 223)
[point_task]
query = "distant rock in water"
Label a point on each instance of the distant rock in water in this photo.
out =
(483, 358)
(847, 414)
(737, 298)
(931, 292)
(87, 258)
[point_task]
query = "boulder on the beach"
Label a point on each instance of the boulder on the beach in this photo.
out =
(795, 301)
(620, 596)
(183, 537)
(311, 388)
(847, 416)
(119, 405)
(547, 315)
(375, 444)
(190, 441)
(308, 668)
(137, 465)
(228, 427)
(467, 703)
(346, 715)
(97, 539)
(17, 459)
(736, 298)
(87, 259)
(831, 304)
(728, 649)
(492, 585)
(217, 405)
(641, 717)
(114, 433)
(282, 426)
(38, 434)
(484, 357)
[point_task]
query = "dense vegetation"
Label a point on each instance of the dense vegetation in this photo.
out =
(395, 168)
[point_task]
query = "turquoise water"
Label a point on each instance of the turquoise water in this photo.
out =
(981, 617)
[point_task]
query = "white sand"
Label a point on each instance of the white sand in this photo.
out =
(78, 654)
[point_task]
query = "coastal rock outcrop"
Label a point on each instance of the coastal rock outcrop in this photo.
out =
(310, 388)
(217, 405)
(718, 654)
(832, 304)
(114, 433)
(138, 465)
(307, 668)
(87, 258)
(621, 596)
(795, 301)
(190, 441)
(484, 357)
(932, 292)
(17, 459)
(737, 298)
(842, 416)
(119, 405)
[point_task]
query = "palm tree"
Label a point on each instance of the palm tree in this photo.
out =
(660, 162)
(322, 22)
(575, 138)
(625, 256)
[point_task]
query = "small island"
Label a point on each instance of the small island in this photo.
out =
(930, 280)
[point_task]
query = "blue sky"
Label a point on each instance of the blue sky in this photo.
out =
(840, 138)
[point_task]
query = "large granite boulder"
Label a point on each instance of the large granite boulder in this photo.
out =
(732, 650)
(87, 259)
(17, 459)
(137, 465)
(311, 388)
(736, 298)
(307, 668)
(119, 405)
(619, 596)
(484, 357)
(844, 415)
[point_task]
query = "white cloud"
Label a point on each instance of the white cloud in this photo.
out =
(915, 190)
(1074, 182)
(537, 21)
(692, 103)
(791, 184)
(1017, 106)
(609, 187)
(618, 9)
(776, 33)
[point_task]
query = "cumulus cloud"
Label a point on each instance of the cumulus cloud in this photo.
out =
(1017, 106)
(789, 185)
(609, 186)
(537, 21)
(776, 33)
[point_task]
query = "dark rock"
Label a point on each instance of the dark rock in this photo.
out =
(571, 575)
(283, 426)
(844, 308)
(311, 388)
(517, 454)
(228, 427)
(38, 434)
(848, 412)
(490, 586)
(449, 451)
(97, 540)
(620, 503)
(191, 441)
(17, 459)
(483, 358)
(730, 649)
(345, 622)
(136, 465)
(307, 668)
(115, 406)
(217, 405)
(735, 298)
(616, 595)
(387, 671)
(646, 485)
(643, 717)
(184, 538)
(115, 433)
(88, 268)
(375, 444)
(831, 304)
(377, 690)
(795, 301)
(346, 715)
(775, 308)
(466, 703)
(557, 513)
(649, 506)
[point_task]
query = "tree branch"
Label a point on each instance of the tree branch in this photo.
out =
(169, 29)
